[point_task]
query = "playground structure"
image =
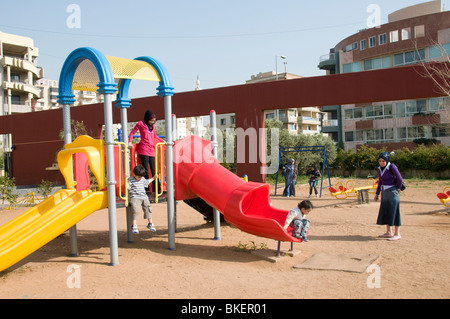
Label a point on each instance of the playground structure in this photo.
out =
(321, 149)
(444, 197)
(351, 191)
(244, 204)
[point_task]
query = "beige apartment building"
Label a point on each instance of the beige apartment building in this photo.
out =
(18, 74)
(304, 120)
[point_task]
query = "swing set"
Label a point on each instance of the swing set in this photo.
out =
(321, 149)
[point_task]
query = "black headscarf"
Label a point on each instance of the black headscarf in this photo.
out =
(147, 117)
(386, 156)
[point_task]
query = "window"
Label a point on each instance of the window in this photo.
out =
(375, 136)
(387, 111)
(15, 99)
(352, 67)
(372, 42)
(15, 77)
(351, 47)
(382, 39)
(419, 31)
(439, 51)
(389, 134)
(440, 131)
(223, 121)
(393, 36)
(379, 111)
(410, 108)
(406, 34)
(421, 106)
(352, 136)
(363, 44)
(348, 114)
(409, 57)
(270, 116)
(379, 63)
(349, 136)
(440, 103)
(401, 134)
(355, 113)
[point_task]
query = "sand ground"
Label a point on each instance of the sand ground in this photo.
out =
(417, 266)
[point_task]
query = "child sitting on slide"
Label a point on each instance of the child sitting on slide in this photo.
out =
(296, 219)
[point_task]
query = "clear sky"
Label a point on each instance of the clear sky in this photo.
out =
(221, 42)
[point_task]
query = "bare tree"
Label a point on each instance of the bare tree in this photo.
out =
(438, 69)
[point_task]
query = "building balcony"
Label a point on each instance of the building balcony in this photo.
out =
(23, 87)
(327, 62)
(23, 65)
(308, 120)
(20, 108)
(426, 119)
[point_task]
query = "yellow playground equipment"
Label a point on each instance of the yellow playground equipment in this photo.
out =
(444, 197)
(350, 190)
(45, 221)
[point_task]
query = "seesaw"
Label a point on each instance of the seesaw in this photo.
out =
(350, 190)
(444, 197)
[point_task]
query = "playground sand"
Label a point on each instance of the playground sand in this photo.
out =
(202, 268)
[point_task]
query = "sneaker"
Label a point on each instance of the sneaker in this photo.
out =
(151, 227)
(305, 239)
(135, 230)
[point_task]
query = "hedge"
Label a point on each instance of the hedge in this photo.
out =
(435, 158)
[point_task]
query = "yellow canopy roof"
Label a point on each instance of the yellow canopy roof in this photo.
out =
(86, 77)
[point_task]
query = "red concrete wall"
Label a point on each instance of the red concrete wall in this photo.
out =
(36, 135)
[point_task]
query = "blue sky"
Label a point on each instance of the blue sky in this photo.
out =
(222, 42)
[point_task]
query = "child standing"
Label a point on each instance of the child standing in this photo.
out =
(296, 219)
(314, 174)
(138, 197)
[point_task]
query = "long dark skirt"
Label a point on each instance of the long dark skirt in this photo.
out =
(389, 213)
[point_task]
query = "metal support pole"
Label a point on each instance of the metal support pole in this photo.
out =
(174, 127)
(68, 140)
(111, 181)
(169, 172)
(126, 161)
(174, 138)
(216, 213)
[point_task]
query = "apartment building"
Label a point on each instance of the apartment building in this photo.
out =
(18, 74)
(305, 120)
(412, 35)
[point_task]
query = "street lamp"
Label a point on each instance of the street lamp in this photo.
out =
(276, 64)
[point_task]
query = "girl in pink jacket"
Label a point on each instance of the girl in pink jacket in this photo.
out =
(149, 139)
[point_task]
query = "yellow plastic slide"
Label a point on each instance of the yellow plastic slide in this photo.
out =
(44, 222)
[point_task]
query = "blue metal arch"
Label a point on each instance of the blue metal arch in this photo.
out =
(165, 85)
(105, 73)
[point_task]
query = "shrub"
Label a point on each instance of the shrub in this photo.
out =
(6, 190)
(435, 158)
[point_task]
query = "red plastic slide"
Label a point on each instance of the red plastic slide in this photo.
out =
(246, 205)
